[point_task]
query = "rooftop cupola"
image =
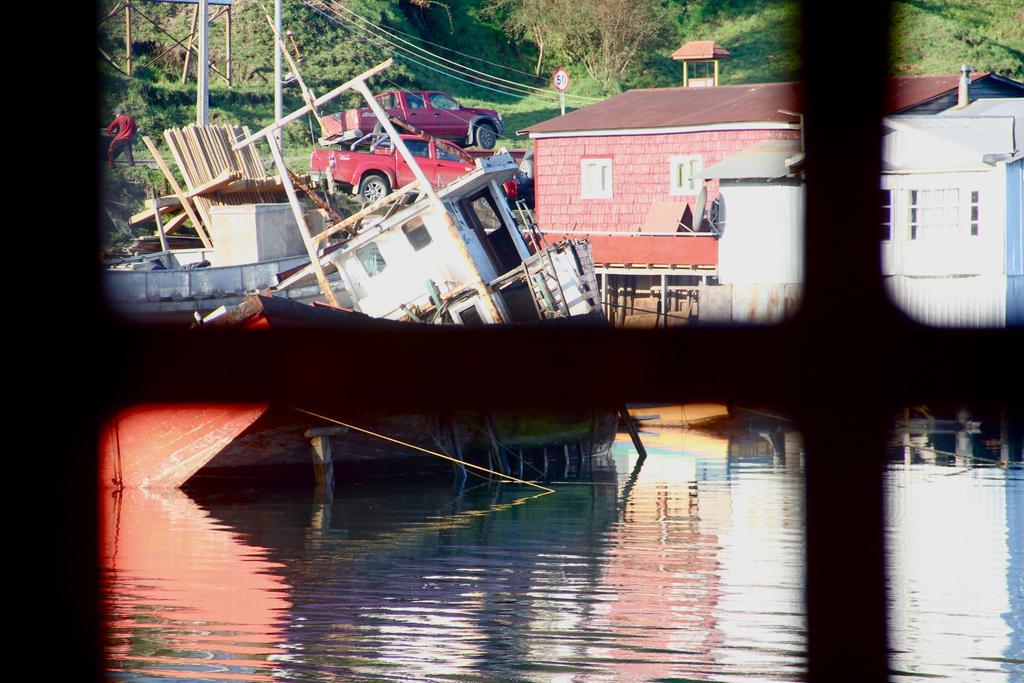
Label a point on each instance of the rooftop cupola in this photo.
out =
(700, 62)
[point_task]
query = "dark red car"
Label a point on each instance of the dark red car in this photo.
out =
(433, 112)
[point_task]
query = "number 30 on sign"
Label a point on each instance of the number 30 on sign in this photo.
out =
(560, 79)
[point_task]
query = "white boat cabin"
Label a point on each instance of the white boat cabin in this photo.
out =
(463, 259)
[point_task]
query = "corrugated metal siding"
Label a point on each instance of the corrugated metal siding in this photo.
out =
(1015, 218)
(640, 173)
(972, 301)
(1015, 301)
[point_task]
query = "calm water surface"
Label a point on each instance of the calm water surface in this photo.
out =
(690, 569)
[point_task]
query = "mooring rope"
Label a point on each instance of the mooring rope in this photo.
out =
(426, 450)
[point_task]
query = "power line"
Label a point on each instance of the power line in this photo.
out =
(397, 86)
(459, 68)
(502, 89)
(356, 30)
(463, 54)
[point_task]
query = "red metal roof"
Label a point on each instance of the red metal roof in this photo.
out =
(701, 49)
(754, 102)
(671, 107)
(907, 91)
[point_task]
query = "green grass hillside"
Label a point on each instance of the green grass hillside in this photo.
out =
(929, 37)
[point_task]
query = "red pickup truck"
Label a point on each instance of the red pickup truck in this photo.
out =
(373, 168)
(432, 112)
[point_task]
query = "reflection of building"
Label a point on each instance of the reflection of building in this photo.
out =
(718, 578)
(954, 571)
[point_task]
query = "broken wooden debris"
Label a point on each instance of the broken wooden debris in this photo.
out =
(177, 191)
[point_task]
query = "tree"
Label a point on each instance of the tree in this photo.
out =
(605, 36)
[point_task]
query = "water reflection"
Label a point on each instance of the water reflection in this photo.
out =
(956, 571)
(687, 567)
(184, 596)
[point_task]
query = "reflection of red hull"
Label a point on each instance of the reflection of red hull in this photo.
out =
(162, 446)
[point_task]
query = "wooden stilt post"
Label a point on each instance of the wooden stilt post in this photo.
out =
(323, 461)
(633, 434)
(203, 66)
(191, 41)
(664, 299)
(128, 36)
(227, 47)
(605, 301)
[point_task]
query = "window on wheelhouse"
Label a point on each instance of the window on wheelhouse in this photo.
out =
(484, 218)
(416, 232)
(372, 260)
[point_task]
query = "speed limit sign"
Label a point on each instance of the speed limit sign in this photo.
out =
(560, 79)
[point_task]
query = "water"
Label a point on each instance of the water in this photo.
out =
(690, 570)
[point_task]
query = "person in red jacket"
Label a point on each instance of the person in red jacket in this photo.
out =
(123, 129)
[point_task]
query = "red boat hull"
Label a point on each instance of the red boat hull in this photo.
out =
(162, 446)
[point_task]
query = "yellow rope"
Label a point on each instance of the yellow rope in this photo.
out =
(429, 452)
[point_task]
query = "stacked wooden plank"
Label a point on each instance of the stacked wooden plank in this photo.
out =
(215, 174)
(203, 155)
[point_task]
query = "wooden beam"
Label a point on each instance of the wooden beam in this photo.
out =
(366, 211)
(159, 225)
(300, 220)
(227, 40)
(177, 191)
(191, 39)
(307, 94)
(175, 223)
(323, 99)
(170, 202)
(224, 178)
(109, 59)
(128, 35)
(253, 185)
(149, 214)
(116, 8)
(304, 186)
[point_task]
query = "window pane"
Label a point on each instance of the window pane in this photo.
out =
(418, 148)
(372, 260)
(441, 101)
(417, 233)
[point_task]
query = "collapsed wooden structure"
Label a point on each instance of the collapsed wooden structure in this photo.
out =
(215, 174)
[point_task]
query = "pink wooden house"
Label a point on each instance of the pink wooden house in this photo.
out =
(626, 172)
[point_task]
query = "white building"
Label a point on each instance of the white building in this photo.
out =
(760, 217)
(952, 193)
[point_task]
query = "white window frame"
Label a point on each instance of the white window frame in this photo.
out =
(693, 164)
(973, 212)
(939, 214)
(588, 188)
(888, 198)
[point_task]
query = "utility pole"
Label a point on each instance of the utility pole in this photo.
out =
(203, 66)
(278, 76)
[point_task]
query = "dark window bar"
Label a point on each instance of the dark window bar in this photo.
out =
(840, 366)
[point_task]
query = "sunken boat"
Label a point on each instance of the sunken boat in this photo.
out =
(418, 256)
